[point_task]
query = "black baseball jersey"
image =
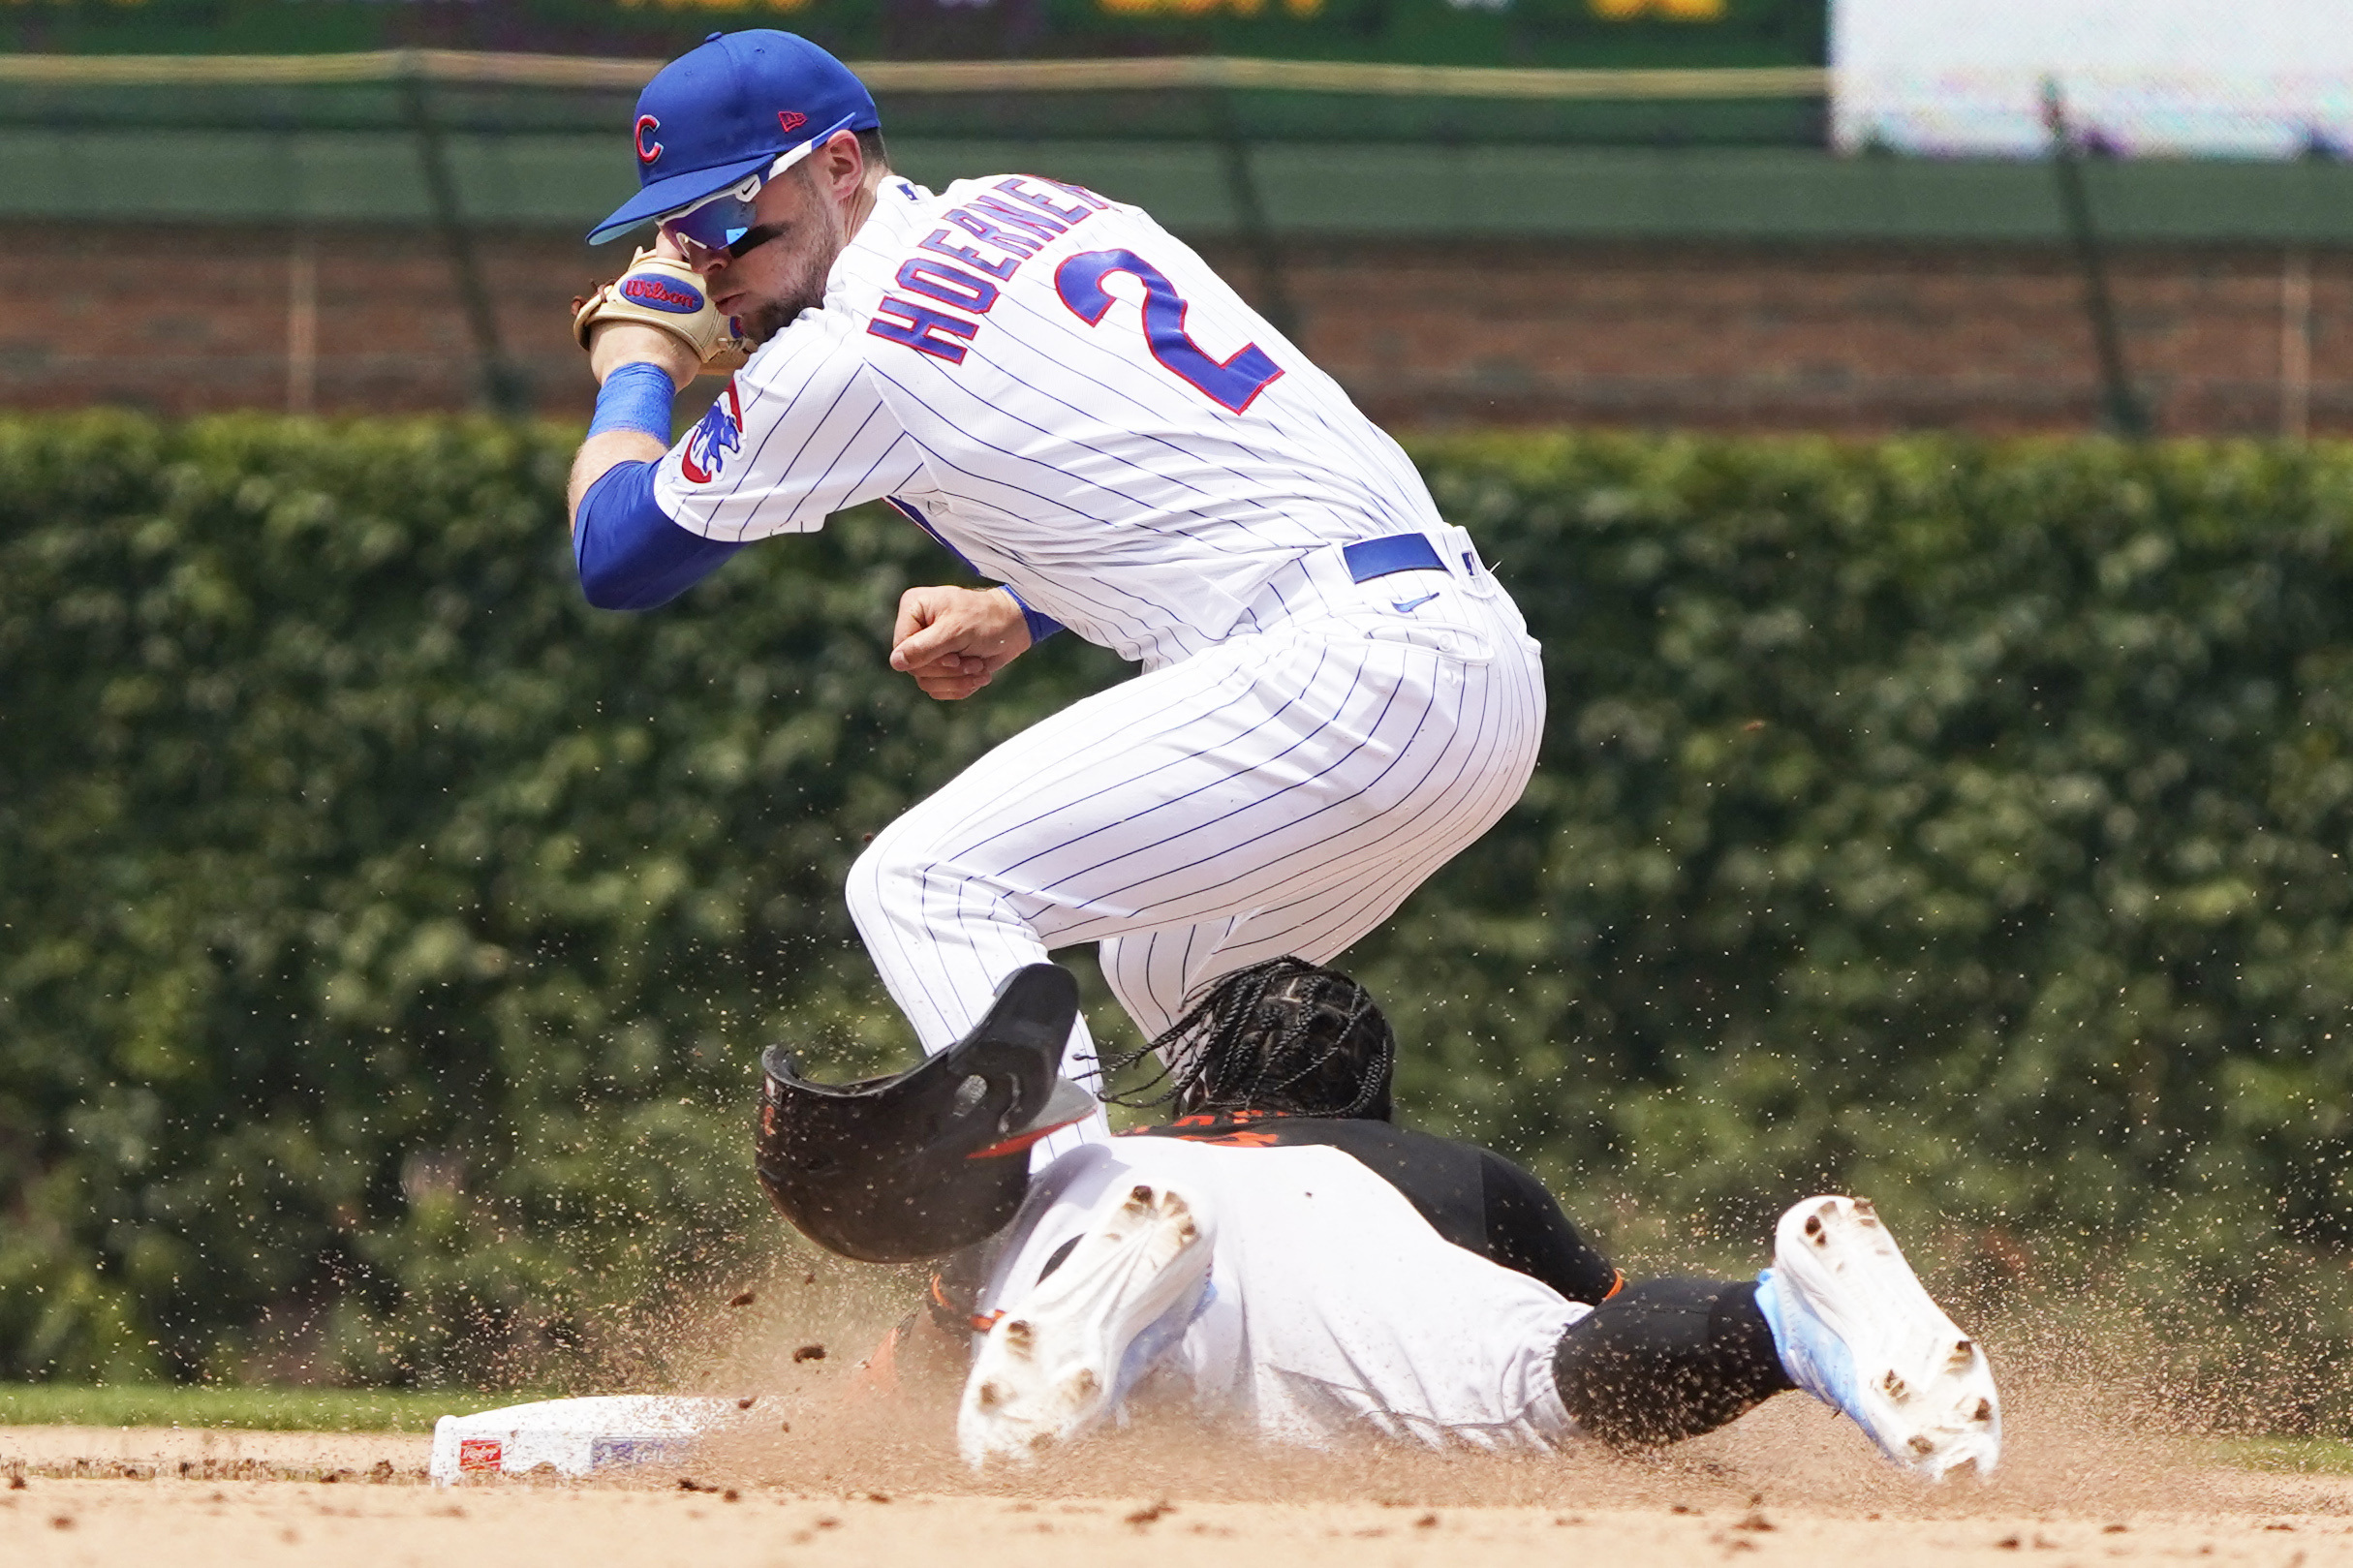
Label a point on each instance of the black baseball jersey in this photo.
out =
(1471, 1196)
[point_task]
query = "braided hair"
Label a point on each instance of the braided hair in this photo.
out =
(1282, 1035)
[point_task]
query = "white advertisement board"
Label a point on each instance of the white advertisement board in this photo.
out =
(2246, 79)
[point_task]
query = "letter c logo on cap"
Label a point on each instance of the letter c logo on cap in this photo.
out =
(647, 151)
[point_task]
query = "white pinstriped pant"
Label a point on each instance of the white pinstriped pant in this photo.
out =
(1281, 792)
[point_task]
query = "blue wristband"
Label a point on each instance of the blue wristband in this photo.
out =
(636, 397)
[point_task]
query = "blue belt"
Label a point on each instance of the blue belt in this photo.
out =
(1369, 559)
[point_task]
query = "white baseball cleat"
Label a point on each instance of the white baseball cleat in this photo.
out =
(1057, 1362)
(1856, 1331)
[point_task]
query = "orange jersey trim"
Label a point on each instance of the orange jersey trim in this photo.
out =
(1213, 1127)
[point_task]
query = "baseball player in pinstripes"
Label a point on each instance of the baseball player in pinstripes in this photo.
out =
(1336, 695)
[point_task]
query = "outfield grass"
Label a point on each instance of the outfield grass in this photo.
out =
(2307, 1456)
(328, 1409)
(270, 1409)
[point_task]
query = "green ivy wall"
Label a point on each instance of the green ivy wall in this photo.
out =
(387, 938)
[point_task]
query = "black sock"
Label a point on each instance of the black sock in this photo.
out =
(1667, 1360)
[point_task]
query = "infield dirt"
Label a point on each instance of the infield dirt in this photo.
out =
(875, 1483)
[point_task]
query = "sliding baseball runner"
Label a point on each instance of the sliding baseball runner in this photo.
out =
(1283, 1260)
(1336, 695)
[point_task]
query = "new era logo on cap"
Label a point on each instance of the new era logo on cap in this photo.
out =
(731, 109)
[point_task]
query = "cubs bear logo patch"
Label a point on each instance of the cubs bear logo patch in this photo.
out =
(718, 433)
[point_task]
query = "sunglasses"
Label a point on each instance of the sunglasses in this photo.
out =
(712, 226)
(722, 222)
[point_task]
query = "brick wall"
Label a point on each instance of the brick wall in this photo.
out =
(1845, 338)
(185, 319)
(1850, 338)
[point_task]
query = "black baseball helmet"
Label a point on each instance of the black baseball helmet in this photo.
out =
(920, 1163)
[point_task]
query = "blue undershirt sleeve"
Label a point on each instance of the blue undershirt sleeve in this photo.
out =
(1042, 625)
(631, 555)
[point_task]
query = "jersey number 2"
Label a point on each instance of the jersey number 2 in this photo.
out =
(1233, 383)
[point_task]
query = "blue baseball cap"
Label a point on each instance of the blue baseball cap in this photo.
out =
(731, 108)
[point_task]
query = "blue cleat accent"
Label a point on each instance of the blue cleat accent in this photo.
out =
(1814, 1357)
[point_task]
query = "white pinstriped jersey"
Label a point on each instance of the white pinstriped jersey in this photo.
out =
(1068, 397)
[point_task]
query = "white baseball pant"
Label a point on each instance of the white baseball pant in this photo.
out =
(1281, 792)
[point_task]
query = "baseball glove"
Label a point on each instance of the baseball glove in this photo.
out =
(664, 292)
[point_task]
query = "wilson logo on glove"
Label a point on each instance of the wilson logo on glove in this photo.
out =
(657, 295)
(662, 292)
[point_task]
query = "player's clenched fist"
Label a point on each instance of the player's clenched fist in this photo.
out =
(662, 292)
(953, 639)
